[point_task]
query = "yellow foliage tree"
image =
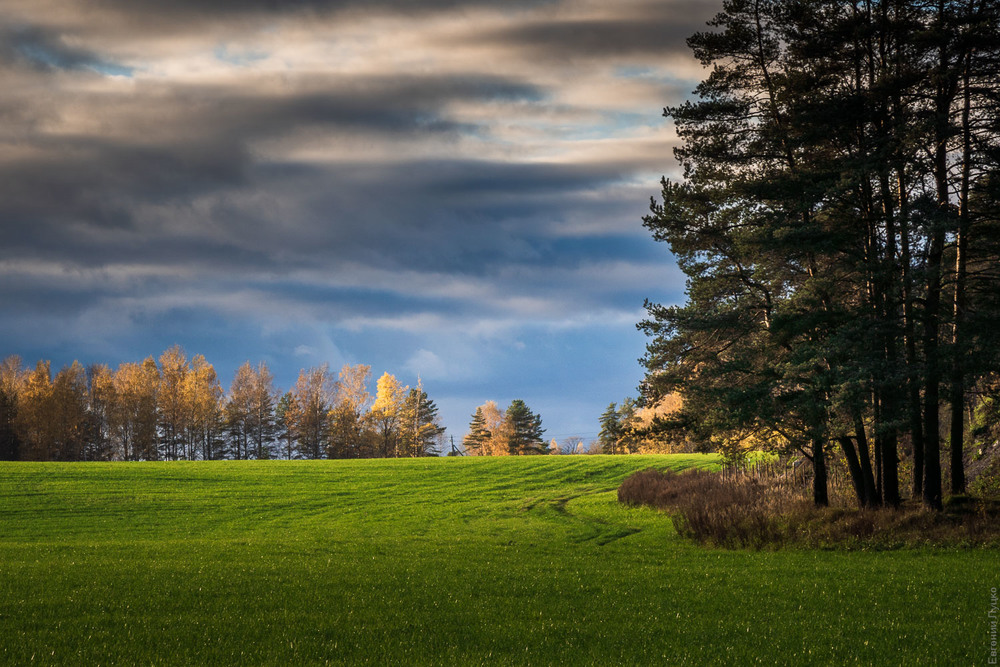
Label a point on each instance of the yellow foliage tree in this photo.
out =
(173, 413)
(134, 416)
(350, 435)
(386, 414)
(203, 405)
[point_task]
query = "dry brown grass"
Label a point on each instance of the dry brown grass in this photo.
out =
(751, 511)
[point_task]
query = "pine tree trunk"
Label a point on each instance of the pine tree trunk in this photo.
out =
(854, 467)
(932, 308)
(878, 454)
(957, 380)
(864, 460)
(820, 491)
(914, 409)
(886, 301)
(932, 375)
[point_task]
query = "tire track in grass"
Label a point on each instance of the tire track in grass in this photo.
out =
(582, 528)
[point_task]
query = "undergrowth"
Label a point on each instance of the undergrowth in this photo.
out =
(742, 511)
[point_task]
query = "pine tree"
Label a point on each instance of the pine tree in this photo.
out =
(422, 434)
(814, 230)
(610, 433)
(525, 430)
(475, 440)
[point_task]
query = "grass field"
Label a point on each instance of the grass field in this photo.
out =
(440, 561)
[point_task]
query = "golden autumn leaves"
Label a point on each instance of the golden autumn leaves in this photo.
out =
(175, 408)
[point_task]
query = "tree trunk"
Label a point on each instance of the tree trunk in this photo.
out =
(914, 409)
(877, 476)
(944, 95)
(887, 302)
(820, 493)
(957, 380)
(857, 475)
(932, 372)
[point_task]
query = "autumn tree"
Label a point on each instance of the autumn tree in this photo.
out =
(171, 405)
(622, 431)
(496, 432)
(250, 412)
(262, 426)
(174, 408)
(351, 435)
(498, 428)
(35, 425)
(52, 420)
(312, 398)
(489, 432)
(70, 420)
(283, 415)
(387, 415)
(12, 377)
(204, 406)
(100, 406)
(134, 417)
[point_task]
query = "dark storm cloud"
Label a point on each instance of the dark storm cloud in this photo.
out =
(452, 215)
(661, 30)
(175, 143)
(458, 221)
(157, 18)
(447, 215)
(230, 8)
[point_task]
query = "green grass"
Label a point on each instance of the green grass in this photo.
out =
(439, 561)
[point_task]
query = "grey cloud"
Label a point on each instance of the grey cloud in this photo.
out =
(243, 7)
(176, 17)
(453, 218)
(381, 103)
(178, 143)
(452, 214)
(479, 220)
(663, 30)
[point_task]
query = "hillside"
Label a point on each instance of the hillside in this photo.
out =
(437, 561)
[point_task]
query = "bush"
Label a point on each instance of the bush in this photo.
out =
(746, 511)
(738, 511)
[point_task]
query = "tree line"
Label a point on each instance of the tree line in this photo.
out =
(175, 408)
(838, 220)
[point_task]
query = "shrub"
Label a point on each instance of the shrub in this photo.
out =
(736, 511)
(751, 511)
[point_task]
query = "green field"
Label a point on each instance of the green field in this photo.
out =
(439, 561)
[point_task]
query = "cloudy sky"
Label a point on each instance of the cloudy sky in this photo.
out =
(449, 189)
